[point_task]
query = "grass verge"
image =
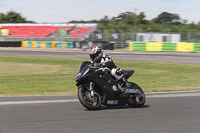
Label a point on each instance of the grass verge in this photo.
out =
(56, 76)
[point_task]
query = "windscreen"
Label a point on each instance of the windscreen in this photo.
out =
(82, 66)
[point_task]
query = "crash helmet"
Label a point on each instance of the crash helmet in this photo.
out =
(94, 52)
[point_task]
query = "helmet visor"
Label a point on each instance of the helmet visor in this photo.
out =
(92, 56)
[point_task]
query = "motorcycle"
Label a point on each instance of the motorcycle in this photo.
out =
(97, 87)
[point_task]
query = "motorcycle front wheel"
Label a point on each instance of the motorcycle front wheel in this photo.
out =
(138, 100)
(88, 101)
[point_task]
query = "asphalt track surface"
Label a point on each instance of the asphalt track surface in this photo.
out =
(162, 113)
(173, 57)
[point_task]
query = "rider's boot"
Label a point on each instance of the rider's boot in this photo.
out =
(126, 83)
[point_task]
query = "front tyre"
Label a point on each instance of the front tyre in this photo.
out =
(89, 102)
(137, 100)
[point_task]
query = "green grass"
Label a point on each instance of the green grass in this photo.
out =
(56, 76)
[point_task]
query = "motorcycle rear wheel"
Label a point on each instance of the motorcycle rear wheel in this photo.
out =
(132, 100)
(89, 102)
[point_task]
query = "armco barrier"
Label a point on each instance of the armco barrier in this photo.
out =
(185, 47)
(47, 44)
(197, 47)
(150, 46)
(171, 47)
(139, 46)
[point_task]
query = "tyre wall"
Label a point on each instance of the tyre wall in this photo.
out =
(47, 44)
(58, 44)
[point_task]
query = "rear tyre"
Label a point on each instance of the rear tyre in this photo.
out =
(91, 103)
(138, 100)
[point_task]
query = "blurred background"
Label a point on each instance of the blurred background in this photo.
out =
(52, 39)
(120, 24)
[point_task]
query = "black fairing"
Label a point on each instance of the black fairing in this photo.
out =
(82, 69)
(104, 83)
(128, 73)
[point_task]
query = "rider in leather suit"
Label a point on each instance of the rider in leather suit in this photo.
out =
(100, 59)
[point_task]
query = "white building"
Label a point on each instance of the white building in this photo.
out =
(158, 37)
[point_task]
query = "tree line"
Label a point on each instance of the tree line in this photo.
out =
(164, 22)
(13, 17)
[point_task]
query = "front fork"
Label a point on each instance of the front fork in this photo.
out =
(91, 89)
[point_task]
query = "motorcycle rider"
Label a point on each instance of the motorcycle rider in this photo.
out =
(101, 59)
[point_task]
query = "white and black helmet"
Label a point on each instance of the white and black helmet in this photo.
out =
(94, 52)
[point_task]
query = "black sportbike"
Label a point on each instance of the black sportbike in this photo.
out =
(97, 87)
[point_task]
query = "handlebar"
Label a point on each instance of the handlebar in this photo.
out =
(94, 67)
(100, 68)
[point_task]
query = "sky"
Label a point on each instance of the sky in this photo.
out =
(58, 11)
